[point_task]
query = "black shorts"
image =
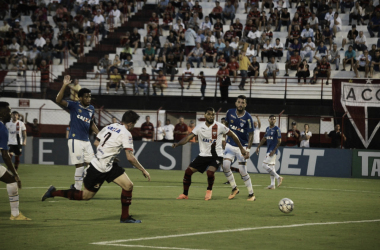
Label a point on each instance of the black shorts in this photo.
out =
(322, 74)
(201, 163)
(361, 68)
(15, 149)
(94, 179)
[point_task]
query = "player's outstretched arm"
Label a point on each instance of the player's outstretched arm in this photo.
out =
(237, 141)
(59, 98)
(8, 162)
(184, 140)
(132, 159)
(261, 143)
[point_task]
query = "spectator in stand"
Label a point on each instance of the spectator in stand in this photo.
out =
(58, 50)
(105, 63)
(5, 56)
(216, 12)
(251, 4)
(266, 51)
(346, 4)
(375, 64)
(190, 128)
(144, 81)
(305, 137)
(130, 79)
(368, 11)
(171, 66)
(203, 84)
(40, 42)
(74, 89)
(320, 51)
(372, 51)
(363, 64)
(244, 64)
(206, 24)
(114, 81)
(126, 65)
(360, 42)
(336, 137)
(187, 76)
(351, 36)
(284, 19)
(59, 12)
(356, 13)
(114, 16)
(233, 68)
(195, 55)
(34, 127)
(271, 70)
(293, 136)
(349, 57)
(228, 12)
(323, 69)
(336, 23)
(180, 130)
(159, 132)
(306, 33)
(210, 54)
(45, 72)
(135, 39)
(254, 70)
(303, 71)
(374, 25)
(253, 36)
(147, 130)
(178, 54)
(335, 56)
(197, 9)
(313, 21)
(21, 55)
(149, 54)
(293, 63)
(295, 46)
(308, 50)
(167, 23)
(160, 65)
(190, 37)
(169, 131)
(278, 48)
(327, 36)
(160, 82)
(99, 22)
(224, 82)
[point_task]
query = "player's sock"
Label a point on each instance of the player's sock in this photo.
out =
(270, 170)
(187, 181)
(12, 190)
(210, 179)
(274, 171)
(246, 178)
(78, 178)
(17, 161)
(228, 173)
(272, 180)
(70, 194)
(126, 200)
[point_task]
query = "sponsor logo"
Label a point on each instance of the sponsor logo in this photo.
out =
(208, 140)
(79, 157)
(214, 133)
(79, 110)
(85, 119)
(232, 121)
(356, 96)
(237, 129)
(269, 137)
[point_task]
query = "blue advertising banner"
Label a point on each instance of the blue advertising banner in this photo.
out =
(300, 161)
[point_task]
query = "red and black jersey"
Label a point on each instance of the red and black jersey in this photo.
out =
(274, 16)
(153, 20)
(197, 9)
(135, 37)
(248, 27)
(269, 34)
(301, 9)
(229, 35)
(233, 66)
(211, 50)
(218, 26)
(221, 60)
(5, 53)
(167, 20)
(44, 73)
(223, 72)
(170, 10)
(254, 14)
(205, 46)
(185, 9)
(306, 15)
(295, 60)
(238, 26)
(324, 67)
(295, 33)
(148, 128)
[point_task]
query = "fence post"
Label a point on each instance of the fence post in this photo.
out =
(41, 113)
(322, 92)
(216, 82)
(250, 87)
(341, 137)
(100, 84)
(286, 88)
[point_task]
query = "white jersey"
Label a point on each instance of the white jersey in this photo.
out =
(209, 136)
(15, 128)
(112, 139)
(169, 132)
(305, 143)
(160, 133)
(256, 135)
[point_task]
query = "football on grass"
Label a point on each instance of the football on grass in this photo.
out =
(286, 205)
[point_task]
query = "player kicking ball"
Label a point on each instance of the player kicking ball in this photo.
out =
(81, 115)
(109, 142)
(273, 136)
(210, 134)
(241, 123)
(11, 179)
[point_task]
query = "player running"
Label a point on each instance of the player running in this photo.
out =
(210, 134)
(273, 136)
(109, 142)
(17, 137)
(10, 176)
(241, 123)
(81, 115)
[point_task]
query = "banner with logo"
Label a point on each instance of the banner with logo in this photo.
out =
(360, 99)
(366, 163)
(300, 161)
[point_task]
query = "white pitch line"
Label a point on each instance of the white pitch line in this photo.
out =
(175, 248)
(233, 230)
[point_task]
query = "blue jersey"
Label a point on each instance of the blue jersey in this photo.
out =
(272, 135)
(241, 126)
(3, 136)
(80, 120)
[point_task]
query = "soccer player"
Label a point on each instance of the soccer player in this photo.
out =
(17, 137)
(10, 176)
(81, 115)
(210, 134)
(109, 142)
(273, 136)
(241, 123)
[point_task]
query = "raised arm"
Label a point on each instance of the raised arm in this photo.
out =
(58, 99)
(184, 140)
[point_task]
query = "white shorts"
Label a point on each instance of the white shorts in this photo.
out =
(270, 160)
(230, 152)
(80, 151)
(3, 170)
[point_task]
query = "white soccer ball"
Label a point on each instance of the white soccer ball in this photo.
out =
(286, 205)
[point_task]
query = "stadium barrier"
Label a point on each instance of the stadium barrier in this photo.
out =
(365, 163)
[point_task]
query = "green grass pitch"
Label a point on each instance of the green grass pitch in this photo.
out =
(63, 224)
